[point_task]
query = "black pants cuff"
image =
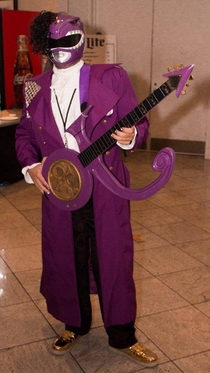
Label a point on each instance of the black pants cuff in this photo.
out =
(121, 336)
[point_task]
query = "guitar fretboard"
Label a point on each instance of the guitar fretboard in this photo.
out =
(104, 142)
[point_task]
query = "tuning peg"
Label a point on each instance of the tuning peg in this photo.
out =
(176, 67)
(180, 66)
(183, 92)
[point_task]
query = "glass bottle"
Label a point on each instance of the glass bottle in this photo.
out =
(22, 69)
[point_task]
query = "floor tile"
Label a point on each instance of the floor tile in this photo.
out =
(18, 198)
(141, 205)
(150, 239)
(197, 363)
(30, 280)
(165, 260)
(202, 223)
(179, 332)
(139, 272)
(204, 307)
(180, 232)
(190, 211)
(33, 216)
(192, 284)
(149, 303)
(198, 195)
(176, 183)
(23, 258)
(22, 324)
(157, 216)
(17, 237)
(199, 249)
(188, 172)
(166, 198)
(3, 268)
(11, 291)
(12, 220)
(163, 368)
(36, 358)
(6, 207)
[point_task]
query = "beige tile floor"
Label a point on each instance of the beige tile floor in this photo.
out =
(171, 271)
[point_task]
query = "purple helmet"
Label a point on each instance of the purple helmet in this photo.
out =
(66, 40)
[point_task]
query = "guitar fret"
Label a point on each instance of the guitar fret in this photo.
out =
(86, 159)
(109, 140)
(100, 144)
(134, 116)
(159, 94)
(125, 122)
(150, 104)
(147, 105)
(142, 109)
(165, 89)
(137, 109)
(162, 92)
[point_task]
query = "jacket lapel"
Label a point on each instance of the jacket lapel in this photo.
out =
(40, 108)
(102, 98)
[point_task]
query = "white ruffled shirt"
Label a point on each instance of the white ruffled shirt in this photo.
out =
(64, 82)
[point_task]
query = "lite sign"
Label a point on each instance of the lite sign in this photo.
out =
(100, 49)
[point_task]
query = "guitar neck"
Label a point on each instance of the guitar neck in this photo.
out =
(104, 142)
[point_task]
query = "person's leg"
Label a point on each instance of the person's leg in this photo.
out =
(81, 246)
(121, 336)
(80, 221)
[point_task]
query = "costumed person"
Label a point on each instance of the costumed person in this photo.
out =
(98, 235)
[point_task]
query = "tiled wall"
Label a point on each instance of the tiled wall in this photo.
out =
(152, 35)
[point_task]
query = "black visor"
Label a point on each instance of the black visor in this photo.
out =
(66, 42)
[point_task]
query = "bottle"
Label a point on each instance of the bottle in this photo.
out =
(22, 69)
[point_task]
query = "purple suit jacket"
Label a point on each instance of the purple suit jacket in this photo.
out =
(109, 88)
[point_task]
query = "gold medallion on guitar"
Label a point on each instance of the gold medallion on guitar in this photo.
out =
(64, 180)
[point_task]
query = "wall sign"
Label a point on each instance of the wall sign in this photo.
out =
(100, 49)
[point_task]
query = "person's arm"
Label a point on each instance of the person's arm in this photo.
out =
(128, 138)
(27, 150)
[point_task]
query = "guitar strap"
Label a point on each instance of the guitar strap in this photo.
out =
(84, 86)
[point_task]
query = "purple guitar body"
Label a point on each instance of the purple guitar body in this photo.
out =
(89, 161)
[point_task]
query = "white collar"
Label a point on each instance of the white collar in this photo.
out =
(69, 71)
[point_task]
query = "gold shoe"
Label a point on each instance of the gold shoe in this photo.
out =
(140, 354)
(63, 343)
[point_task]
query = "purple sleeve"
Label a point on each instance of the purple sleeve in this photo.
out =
(128, 102)
(27, 148)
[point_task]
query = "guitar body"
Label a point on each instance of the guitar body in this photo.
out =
(71, 184)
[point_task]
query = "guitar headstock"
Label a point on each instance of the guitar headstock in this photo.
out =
(179, 78)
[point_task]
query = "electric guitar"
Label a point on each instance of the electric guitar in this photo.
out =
(70, 174)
